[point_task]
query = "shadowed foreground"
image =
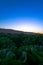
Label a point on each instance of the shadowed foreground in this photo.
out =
(21, 49)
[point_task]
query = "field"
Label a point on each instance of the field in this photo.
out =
(21, 49)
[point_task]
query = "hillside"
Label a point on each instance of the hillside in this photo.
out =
(2, 30)
(18, 48)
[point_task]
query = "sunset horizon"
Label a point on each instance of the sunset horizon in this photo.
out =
(40, 32)
(24, 15)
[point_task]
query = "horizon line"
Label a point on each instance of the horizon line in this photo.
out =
(22, 30)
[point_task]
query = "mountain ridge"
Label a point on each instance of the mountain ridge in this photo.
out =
(3, 30)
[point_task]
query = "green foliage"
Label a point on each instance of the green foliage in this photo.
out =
(5, 41)
(21, 49)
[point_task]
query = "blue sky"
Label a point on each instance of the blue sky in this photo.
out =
(25, 15)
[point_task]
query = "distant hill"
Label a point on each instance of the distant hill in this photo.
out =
(9, 31)
(14, 31)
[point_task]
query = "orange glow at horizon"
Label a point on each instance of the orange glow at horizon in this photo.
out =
(27, 28)
(29, 25)
(24, 24)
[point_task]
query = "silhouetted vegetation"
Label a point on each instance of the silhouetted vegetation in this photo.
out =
(21, 49)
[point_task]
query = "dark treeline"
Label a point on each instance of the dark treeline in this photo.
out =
(21, 49)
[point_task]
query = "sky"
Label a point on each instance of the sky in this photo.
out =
(23, 15)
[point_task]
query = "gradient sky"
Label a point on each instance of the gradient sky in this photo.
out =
(25, 15)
